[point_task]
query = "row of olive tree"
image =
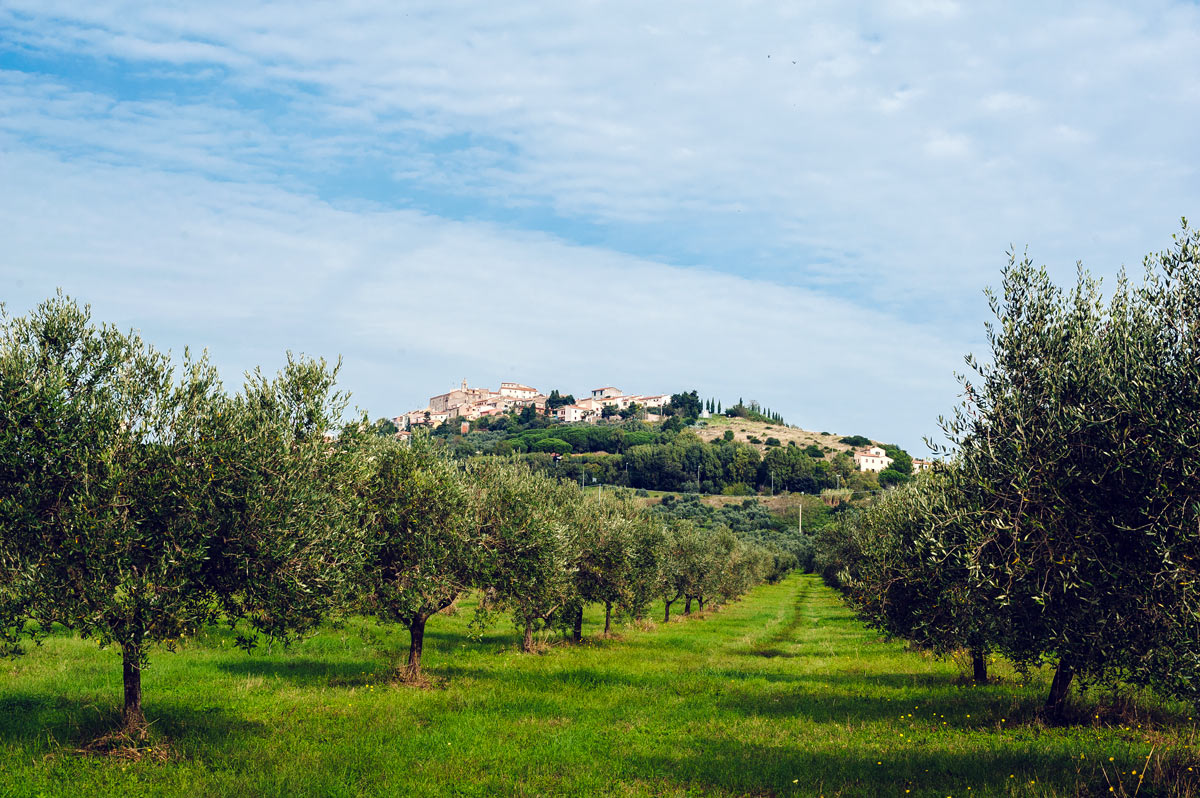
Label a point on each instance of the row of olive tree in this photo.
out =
(1066, 527)
(139, 501)
(537, 547)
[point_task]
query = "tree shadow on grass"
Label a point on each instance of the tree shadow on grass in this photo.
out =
(821, 704)
(40, 721)
(309, 672)
(789, 769)
(818, 698)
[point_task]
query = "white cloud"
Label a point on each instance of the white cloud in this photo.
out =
(585, 109)
(416, 302)
(948, 145)
(1007, 102)
(874, 162)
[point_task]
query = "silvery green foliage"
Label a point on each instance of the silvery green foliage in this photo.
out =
(526, 521)
(422, 549)
(138, 501)
(1077, 460)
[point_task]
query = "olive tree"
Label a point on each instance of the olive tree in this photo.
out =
(138, 501)
(1075, 446)
(648, 564)
(607, 545)
(685, 565)
(423, 550)
(525, 520)
(914, 578)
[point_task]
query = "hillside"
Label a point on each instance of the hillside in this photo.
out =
(744, 431)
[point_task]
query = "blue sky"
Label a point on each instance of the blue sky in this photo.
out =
(798, 203)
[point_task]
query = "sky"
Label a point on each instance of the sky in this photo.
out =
(799, 203)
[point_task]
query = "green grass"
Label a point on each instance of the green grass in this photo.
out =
(782, 693)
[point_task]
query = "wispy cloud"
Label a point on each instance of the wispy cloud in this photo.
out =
(414, 301)
(865, 167)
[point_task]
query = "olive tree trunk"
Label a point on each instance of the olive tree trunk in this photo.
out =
(577, 634)
(416, 644)
(527, 643)
(131, 666)
(979, 667)
(687, 606)
(1056, 702)
(607, 617)
(667, 614)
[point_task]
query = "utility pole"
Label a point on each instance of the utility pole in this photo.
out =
(800, 516)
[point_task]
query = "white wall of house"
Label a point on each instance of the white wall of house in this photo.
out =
(872, 459)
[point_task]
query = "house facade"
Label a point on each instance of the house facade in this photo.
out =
(872, 458)
(516, 390)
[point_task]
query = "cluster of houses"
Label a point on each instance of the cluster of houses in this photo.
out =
(468, 404)
(874, 458)
(592, 408)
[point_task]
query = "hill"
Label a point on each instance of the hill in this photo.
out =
(756, 434)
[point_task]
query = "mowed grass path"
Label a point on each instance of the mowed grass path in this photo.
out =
(782, 693)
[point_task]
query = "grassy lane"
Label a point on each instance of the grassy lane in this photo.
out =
(780, 694)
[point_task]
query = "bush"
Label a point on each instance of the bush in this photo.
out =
(855, 440)
(773, 442)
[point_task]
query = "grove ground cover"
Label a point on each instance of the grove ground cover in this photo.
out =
(782, 693)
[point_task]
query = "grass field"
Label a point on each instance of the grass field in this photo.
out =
(782, 694)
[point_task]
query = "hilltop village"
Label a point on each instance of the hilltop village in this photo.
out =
(470, 404)
(466, 405)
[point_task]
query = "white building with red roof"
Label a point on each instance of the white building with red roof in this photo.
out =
(872, 458)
